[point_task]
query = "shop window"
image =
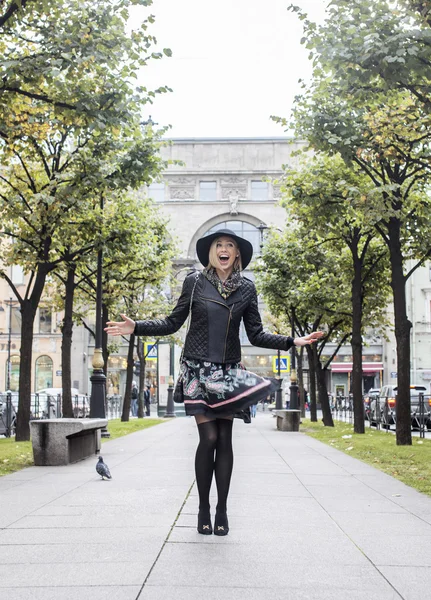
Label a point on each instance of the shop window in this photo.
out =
(14, 372)
(44, 372)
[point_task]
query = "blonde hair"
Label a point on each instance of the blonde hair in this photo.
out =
(212, 255)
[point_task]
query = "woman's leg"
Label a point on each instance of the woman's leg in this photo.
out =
(223, 471)
(204, 467)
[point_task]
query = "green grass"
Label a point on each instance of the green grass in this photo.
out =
(117, 429)
(409, 464)
(14, 455)
(18, 455)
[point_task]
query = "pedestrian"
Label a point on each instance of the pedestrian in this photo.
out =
(147, 400)
(216, 385)
(134, 397)
(287, 397)
(253, 409)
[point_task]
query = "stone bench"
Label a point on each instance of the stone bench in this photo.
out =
(288, 420)
(63, 441)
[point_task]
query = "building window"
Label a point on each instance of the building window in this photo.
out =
(14, 372)
(243, 229)
(259, 190)
(44, 372)
(16, 320)
(45, 320)
(156, 191)
(17, 275)
(208, 191)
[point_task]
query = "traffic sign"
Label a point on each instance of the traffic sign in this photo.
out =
(284, 364)
(150, 351)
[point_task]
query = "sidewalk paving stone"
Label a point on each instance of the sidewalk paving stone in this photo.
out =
(307, 523)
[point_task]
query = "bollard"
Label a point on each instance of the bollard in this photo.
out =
(278, 395)
(170, 408)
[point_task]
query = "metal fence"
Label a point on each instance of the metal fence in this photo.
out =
(46, 406)
(380, 412)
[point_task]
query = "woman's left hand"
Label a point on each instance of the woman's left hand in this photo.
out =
(309, 339)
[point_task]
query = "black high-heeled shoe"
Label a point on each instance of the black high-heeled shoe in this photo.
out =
(221, 524)
(204, 522)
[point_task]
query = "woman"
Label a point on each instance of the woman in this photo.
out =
(216, 386)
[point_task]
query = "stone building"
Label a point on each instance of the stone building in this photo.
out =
(46, 360)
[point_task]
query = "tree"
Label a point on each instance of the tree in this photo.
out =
(75, 57)
(302, 279)
(58, 156)
(386, 133)
(329, 199)
(137, 258)
(371, 45)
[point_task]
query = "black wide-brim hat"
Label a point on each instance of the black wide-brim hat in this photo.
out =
(203, 246)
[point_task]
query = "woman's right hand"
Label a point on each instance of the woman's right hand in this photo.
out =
(124, 327)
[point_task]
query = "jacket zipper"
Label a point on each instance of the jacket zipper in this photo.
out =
(227, 332)
(228, 322)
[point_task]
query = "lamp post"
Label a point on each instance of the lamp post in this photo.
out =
(262, 228)
(170, 409)
(294, 403)
(279, 392)
(9, 342)
(9, 409)
(98, 379)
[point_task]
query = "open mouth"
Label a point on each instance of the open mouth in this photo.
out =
(224, 259)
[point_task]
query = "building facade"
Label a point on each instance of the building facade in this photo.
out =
(46, 360)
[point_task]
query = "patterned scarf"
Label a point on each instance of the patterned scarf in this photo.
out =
(225, 288)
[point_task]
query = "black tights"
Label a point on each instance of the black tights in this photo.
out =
(215, 437)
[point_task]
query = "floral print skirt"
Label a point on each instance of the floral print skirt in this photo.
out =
(222, 390)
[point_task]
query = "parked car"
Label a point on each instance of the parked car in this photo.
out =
(384, 405)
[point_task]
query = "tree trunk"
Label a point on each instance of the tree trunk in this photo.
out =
(28, 314)
(357, 309)
(129, 378)
(323, 390)
(301, 381)
(312, 385)
(66, 343)
(402, 336)
(105, 349)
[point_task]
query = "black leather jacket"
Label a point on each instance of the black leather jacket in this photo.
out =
(213, 335)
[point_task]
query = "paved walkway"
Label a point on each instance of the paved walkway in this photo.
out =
(307, 523)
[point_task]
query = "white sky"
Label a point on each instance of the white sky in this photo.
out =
(235, 63)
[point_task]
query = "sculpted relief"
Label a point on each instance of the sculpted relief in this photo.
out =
(186, 193)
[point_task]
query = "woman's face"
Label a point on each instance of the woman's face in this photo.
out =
(227, 252)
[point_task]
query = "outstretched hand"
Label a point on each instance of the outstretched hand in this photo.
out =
(309, 339)
(124, 327)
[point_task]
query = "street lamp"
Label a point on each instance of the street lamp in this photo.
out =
(262, 228)
(9, 342)
(98, 379)
(278, 393)
(170, 409)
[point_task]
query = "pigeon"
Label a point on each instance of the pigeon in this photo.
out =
(103, 469)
